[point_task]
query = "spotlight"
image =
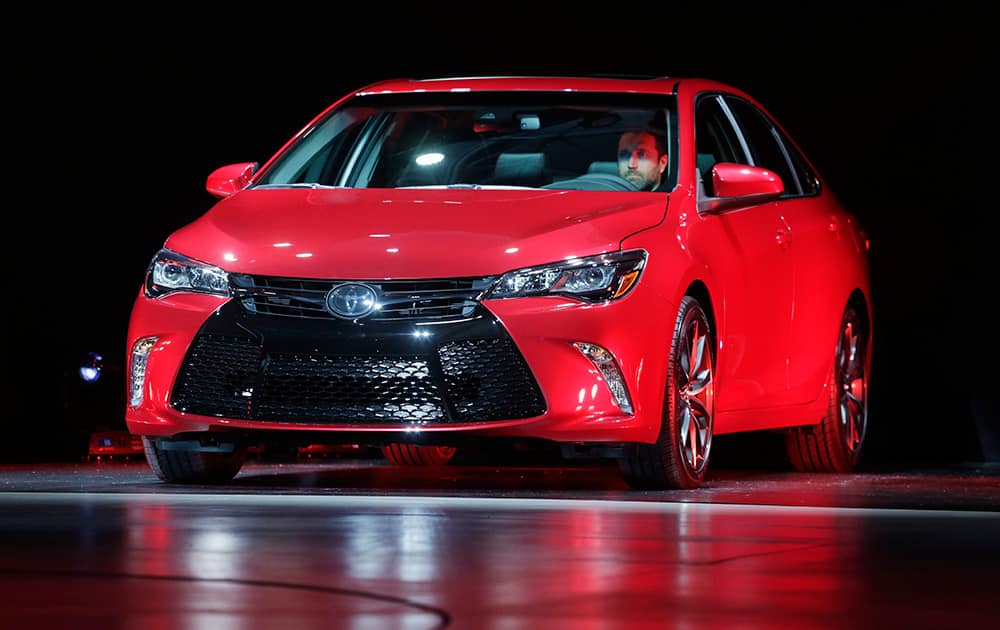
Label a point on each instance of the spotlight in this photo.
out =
(91, 366)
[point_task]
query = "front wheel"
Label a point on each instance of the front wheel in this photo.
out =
(175, 465)
(417, 455)
(679, 458)
(834, 445)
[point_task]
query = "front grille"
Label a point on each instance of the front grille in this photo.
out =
(218, 376)
(461, 381)
(397, 299)
(352, 388)
(487, 379)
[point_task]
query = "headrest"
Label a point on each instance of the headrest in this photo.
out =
(520, 167)
(611, 168)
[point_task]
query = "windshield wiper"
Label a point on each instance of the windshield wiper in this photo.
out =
(480, 187)
(312, 185)
(466, 187)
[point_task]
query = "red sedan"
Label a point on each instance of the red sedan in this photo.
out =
(622, 267)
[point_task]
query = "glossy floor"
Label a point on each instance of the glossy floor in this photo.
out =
(357, 544)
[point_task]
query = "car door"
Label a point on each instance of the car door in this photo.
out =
(806, 240)
(757, 276)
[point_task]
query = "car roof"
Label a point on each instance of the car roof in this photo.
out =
(590, 83)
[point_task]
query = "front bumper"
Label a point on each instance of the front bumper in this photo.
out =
(510, 369)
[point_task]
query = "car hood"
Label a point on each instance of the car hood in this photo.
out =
(410, 233)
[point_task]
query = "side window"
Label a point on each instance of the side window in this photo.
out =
(762, 137)
(807, 178)
(715, 140)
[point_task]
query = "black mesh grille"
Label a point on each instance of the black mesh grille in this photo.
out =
(218, 376)
(397, 299)
(465, 381)
(348, 388)
(488, 380)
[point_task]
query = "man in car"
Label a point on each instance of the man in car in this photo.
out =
(642, 159)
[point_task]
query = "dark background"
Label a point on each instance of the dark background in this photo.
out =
(117, 119)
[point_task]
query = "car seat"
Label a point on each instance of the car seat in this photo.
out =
(520, 169)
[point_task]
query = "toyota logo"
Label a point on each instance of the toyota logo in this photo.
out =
(351, 301)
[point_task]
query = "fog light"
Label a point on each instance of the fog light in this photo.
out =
(137, 369)
(606, 365)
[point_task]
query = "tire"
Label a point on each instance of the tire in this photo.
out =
(835, 444)
(193, 466)
(679, 458)
(417, 455)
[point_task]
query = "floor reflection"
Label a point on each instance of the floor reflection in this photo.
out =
(227, 561)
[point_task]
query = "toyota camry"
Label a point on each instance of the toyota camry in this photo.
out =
(623, 268)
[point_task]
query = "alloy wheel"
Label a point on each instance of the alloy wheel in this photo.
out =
(695, 403)
(853, 384)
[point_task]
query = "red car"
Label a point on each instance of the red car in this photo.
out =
(625, 267)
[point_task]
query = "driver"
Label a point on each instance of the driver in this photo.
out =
(642, 158)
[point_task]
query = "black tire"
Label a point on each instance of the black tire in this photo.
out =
(679, 458)
(417, 454)
(835, 444)
(193, 466)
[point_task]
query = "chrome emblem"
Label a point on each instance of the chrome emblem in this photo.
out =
(351, 301)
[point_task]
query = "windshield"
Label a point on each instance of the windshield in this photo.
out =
(564, 140)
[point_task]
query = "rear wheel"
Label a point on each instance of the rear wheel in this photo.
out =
(834, 445)
(192, 466)
(679, 458)
(417, 455)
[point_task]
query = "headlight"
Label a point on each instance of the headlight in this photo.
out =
(594, 278)
(170, 272)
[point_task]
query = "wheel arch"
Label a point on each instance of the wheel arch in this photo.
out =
(859, 302)
(699, 291)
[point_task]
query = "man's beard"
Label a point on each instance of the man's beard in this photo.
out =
(637, 179)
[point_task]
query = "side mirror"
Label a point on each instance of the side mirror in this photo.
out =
(737, 185)
(227, 180)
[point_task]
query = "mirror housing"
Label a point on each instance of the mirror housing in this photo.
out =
(737, 185)
(230, 179)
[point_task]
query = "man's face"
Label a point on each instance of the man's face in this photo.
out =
(639, 161)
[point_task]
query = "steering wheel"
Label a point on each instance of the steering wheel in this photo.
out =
(595, 181)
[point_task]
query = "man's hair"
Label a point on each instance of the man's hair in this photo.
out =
(658, 136)
(658, 127)
(661, 141)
